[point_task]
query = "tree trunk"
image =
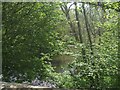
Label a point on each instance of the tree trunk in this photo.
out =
(66, 10)
(87, 28)
(90, 41)
(79, 31)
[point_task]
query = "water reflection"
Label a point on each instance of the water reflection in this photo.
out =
(60, 61)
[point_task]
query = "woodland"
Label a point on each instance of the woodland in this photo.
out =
(71, 44)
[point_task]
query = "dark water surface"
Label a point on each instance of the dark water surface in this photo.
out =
(60, 61)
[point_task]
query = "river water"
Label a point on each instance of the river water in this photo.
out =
(60, 61)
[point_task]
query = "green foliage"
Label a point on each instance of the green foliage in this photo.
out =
(28, 33)
(33, 33)
(101, 68)
(62, 80)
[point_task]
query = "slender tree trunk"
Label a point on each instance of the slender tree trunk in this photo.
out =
(66, 10)
(87, 28)
(92, 84)
(92, 23)
(103, 19)
(79, 31)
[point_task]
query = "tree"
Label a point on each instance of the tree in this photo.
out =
(66, 11)
(28, 39)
